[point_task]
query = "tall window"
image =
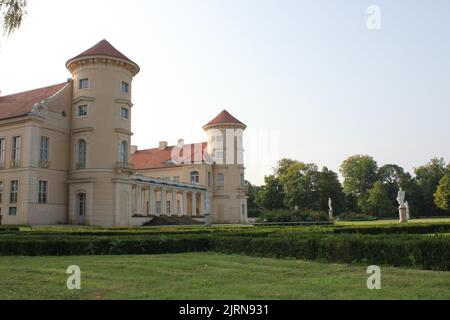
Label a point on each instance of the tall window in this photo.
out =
(2, 152)
(209, 179)
(219, 155)
(14, 192)
(220, 180)
(81, 204)
(195, 177)
(43, 154)
(82, 152)
(16, 151)
(123, 152)
(125, 87)
(1, 191)
(84, 84)
(43, 187)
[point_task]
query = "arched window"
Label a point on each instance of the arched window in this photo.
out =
(220, 180)
(82, 152)
(195, 177)
(123, 157)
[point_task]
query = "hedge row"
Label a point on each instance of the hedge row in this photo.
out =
(427, 252)
(397, 229)
(431, 253)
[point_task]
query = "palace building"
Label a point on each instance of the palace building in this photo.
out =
(66, 156)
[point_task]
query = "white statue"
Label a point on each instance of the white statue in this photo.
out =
(401, 198)
(402, 207)
(330, 211)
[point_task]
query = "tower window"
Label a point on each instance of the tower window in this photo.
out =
(43, 186)
(124, 113)
(82, 111)
(83, 84)
(125, 87)
(82, 154)
(123, 152)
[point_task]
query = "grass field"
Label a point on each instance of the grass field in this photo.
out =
(209, 276)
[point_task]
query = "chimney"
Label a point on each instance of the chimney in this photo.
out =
(162, 145)
(134, 149)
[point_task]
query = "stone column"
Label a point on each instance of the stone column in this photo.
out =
(164, 201)
(151, 201)
(138, 199)
(174, 208)
(194, 203)
(185, 208)
(202, 203)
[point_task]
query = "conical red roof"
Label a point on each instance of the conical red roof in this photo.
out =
(224, 118)
(103, 48)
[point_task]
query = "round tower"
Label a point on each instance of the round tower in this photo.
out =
(99, 182)
(225, 146)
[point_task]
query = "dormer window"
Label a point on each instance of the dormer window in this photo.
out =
(125, 87)
(84, 84)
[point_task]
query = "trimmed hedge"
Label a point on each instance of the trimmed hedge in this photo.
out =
(427, 252)
(397, 229)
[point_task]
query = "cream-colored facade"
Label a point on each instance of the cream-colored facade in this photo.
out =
(66, 156)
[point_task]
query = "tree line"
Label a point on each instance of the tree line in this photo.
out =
(366, 188)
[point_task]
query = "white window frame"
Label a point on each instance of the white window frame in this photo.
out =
(16, 150)
(14, 192)
(195, 177)
(88, 83)
(128, 87)
(44, 150)
(127, 111)
(43, 194)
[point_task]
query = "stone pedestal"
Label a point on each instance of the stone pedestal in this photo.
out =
(331, 215)
(402, 214)
(208, 219)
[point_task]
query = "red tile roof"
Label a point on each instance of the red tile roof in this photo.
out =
(103, 48)
(224, 118)
(20, 104)
(155, 158)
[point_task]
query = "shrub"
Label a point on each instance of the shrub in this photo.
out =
(282, 215)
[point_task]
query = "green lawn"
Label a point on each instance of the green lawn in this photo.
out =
(209, 276)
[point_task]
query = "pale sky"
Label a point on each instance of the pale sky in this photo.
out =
(307, 75)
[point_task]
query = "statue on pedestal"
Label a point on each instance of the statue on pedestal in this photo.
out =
(402, 205)
(330, 211)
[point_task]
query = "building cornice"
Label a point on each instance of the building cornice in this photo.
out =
(83, 99)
